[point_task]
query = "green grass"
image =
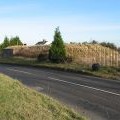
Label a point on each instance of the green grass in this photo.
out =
(18, 102)
(105, 72)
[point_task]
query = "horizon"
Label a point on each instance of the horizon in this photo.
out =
(79, 21)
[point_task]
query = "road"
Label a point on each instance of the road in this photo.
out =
(96, 98)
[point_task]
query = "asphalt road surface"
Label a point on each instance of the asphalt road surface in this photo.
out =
(96, 98)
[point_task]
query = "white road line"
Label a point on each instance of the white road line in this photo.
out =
(72, 83)
(20, 71)
(76, 84)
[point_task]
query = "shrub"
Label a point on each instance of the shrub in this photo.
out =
(42, 57)
(110, 45)
(94, 42)
(95, 66)
(57, 52)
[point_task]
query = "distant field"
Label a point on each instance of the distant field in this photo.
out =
(84, 54)
(18, 102)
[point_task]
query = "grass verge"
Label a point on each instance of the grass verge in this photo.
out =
(104, 72)
(17, 102)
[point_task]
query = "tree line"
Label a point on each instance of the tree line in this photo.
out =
(10, 42)
(105, 44)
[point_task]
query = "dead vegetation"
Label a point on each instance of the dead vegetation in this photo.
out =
(83, 54)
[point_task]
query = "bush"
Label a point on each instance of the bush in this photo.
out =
(94, 42)
(110, 45)
(95, 66)
(42, 57)
(57, 52)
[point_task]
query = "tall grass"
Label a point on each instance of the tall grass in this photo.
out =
(82, 54)
(89, 54)
(30, 51)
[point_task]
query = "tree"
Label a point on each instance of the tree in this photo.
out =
(6, 42)
(110, 45)
(94, 42)
(85, 43)
(1, 47)
(57, 52)
(15, 41)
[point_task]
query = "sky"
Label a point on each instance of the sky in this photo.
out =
(79, 20)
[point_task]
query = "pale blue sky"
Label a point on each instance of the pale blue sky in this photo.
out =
(79, 20)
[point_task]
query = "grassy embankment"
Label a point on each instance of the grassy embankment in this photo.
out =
(17, 102)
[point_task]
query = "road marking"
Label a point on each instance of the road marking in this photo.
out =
(72, 83)
(20, 71)
(76, 84)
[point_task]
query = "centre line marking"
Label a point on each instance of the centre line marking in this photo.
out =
(72, 83)
(76, 84)
(20, 71)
